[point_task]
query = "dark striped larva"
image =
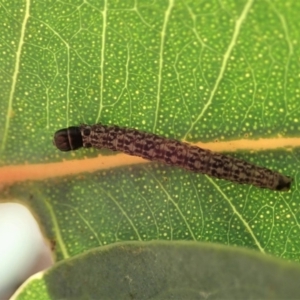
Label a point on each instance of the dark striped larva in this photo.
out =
(169, 151)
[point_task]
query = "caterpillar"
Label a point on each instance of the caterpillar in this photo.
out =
(172, 152)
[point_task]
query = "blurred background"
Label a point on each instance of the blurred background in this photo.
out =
(23, 250)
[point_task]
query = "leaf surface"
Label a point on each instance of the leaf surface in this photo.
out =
(223, 75)
(162, 270)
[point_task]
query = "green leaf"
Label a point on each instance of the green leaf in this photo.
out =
(200, 71)
(162, 270)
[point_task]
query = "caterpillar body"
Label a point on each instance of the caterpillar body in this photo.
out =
(153, 147)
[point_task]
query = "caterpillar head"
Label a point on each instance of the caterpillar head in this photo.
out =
(68, 139)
